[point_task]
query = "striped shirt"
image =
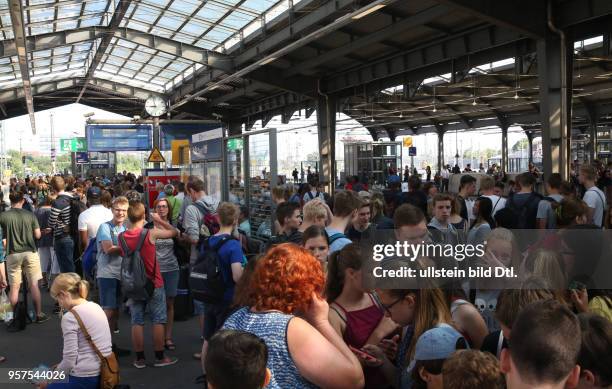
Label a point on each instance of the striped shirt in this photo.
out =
(59, 218)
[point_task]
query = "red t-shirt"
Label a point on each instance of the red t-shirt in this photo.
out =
(147, 253)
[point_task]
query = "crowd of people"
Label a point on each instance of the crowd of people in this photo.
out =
(295, 311)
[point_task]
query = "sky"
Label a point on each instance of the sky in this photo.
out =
(68, 120)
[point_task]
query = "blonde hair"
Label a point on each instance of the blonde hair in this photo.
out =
(70, 283)
(548, 265)
(377, 205)
(120, 200)
(314, 210)
(507, 235)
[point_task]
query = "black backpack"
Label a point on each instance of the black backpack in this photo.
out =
(205, 278)
(20, 312)
(134, 281)
(525, 215)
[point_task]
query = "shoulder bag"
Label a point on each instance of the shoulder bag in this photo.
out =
(109, 367)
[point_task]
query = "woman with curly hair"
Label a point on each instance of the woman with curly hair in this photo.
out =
(286, 310)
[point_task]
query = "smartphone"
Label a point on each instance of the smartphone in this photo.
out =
(363, 354)
(577, 285)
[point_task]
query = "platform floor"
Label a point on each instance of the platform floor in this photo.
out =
(42, 344)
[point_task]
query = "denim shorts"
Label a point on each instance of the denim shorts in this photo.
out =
(155, 306)
(198, 307)
(110, 293)
(171, 280)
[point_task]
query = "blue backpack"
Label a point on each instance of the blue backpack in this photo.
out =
(90, 255)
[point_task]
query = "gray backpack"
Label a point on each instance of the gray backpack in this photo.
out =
(134, 281)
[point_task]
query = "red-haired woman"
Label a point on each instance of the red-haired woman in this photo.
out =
(304, 351)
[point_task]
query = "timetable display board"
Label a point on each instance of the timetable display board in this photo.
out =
(181, 131)
(119, 137)
(207, 146)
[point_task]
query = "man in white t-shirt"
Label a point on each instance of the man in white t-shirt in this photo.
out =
(593, 197)
(90, 219)
(445, 174)
(487, 189)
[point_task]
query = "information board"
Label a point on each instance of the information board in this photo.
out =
(119, 137)
(82, 157)
(99, 160)
(207, 146)
(179, 131)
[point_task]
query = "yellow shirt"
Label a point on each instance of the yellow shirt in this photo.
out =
(601, 306)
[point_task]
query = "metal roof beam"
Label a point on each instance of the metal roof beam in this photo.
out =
(525, 16)
(9, 95)
(369, 39)
(307, 86)
(8, 48)
(70, 37)
(297, 28)
(486, 44)
(22, 55)
(193, 53)
(239, 92)
(118, 15)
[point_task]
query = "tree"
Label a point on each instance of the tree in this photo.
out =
(520, 145)
(129, 162)
(15, 163)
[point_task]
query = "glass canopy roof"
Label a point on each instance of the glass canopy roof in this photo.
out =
(215, 25)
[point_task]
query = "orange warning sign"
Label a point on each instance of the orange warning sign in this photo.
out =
(156, 156)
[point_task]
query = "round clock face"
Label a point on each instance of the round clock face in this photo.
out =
(155, 106)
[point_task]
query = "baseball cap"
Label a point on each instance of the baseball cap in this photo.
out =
(94, 192)
(437, 343)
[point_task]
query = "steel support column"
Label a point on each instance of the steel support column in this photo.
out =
(593, 115)
(440, 150)
(504, 155)
(555, 89)
(530, 142)
(593, 140)
(326, 128)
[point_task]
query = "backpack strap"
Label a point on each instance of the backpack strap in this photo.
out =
(223, 240)
(336, 236)
(603, 204)
(143, 234)
(497, 202)
(123, 244)
(201, 208)
(112, 231)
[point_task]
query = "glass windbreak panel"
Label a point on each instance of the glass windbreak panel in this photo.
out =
(212, 173)
(260, 202)
(235, 171)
